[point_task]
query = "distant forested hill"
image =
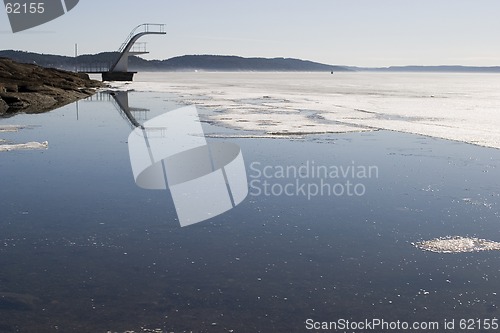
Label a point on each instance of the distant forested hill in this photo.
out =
(187, 62)
(234, 63)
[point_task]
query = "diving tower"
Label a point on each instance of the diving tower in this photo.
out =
(119, 69)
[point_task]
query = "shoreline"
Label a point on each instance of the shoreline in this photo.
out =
(277, 115)
(29, 88)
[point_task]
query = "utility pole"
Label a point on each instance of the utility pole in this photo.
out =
(76, 55)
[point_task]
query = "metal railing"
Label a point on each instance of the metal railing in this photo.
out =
(93, 67)
(98, 97)
(139, 47)
(145, 27)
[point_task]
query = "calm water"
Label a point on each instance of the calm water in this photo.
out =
(83, 249)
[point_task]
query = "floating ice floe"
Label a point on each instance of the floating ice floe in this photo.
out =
(457, 244)
(10, 128)
(25, 146)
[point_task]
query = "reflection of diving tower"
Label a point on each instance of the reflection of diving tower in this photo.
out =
(119, 70)
(120, 99)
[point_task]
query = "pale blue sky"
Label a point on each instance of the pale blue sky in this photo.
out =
(345, 32)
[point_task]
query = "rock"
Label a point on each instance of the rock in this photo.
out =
(10, 87)
(33, 89)
(3, 106)
(14, 102)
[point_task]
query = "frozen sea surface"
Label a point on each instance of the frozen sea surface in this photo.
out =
(461, 107)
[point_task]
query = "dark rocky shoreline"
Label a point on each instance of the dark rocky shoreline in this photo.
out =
(29, 88)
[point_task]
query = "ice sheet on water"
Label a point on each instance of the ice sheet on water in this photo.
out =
(461, 107)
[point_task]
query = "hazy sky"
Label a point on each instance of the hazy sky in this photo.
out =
(345, 32)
